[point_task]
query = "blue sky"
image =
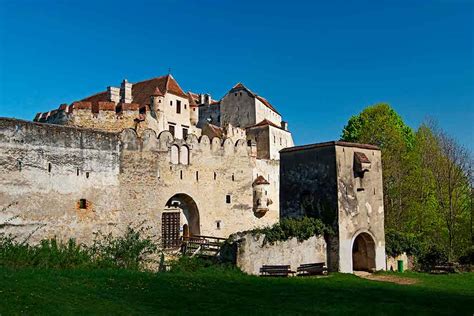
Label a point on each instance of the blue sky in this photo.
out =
(317, 62)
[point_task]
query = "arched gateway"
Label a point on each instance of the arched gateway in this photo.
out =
(180, 219)
(363, 253)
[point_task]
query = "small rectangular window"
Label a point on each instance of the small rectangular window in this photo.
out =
(185, 132)
(227, 199)
(178, 106)
(171, 102)
(82, 203)
(171, 129)
(218, 224)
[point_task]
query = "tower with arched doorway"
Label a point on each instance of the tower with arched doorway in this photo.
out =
(340, 183)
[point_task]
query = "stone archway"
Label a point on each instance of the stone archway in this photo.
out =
(180, 219)
(363, 253)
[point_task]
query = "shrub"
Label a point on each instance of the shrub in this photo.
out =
(130, 251)
(397, 242)
(431, 257)
(302, 229)
(468, 257)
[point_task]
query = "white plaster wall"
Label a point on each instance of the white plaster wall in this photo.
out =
(252, 254)
(183, 118)
(279, 139)
(264, 112)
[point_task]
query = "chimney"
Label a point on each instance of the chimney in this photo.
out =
(205, 99)
(113, 94)
(126, 92)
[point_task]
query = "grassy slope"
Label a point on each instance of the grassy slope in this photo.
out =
(126, 292)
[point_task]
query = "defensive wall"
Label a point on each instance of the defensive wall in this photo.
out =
(69, 182)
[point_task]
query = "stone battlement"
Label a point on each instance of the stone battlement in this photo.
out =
(41, 134)
(90, 107)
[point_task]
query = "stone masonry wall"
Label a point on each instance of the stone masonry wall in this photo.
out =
(252, 254)
(45, 170)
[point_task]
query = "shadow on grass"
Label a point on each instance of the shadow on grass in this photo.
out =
(220, 292)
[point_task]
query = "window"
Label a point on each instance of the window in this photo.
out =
(82, 203)
(281, 142)
(171, 102)
(274, 139)
(77, 172)
(171, 128)
(235, 94)
(218, 224)
(142, 110)
(233, 177)
(49, 167)
(227, 199)
(87, 175)
(178, 106)
(185, 132)
(19, 165)
(197, 175)
(215, 176)
(185, 106)
(181, 174)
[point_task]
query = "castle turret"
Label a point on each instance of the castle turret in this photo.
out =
(261, 201)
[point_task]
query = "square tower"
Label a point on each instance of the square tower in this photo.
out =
(341, 184)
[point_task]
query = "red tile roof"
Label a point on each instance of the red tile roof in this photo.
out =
(192, 97)
(143, 90)
(265, 122)
(260, 180)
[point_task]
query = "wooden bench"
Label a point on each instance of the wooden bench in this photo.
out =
(276, 270)
(443, 269)
(311, 269)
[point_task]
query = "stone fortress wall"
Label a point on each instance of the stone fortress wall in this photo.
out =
(69, 182)
(183, 164)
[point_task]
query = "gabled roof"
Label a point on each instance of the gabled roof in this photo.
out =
(260, 180)
(265, 122)
(143, 90)
(192, 97)
(240, 86)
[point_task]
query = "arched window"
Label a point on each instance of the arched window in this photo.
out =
(184, 155)
(174, 155)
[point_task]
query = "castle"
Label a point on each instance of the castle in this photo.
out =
(185, 165)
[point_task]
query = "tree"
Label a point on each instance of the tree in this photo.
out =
(380, 125)
(450, 165)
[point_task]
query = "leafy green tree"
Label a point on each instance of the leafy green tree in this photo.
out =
(380, 125)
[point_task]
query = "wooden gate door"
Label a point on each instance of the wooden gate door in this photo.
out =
(170, 229)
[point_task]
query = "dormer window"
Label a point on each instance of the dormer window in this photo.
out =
(362, 164)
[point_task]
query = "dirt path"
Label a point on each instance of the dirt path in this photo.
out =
(385, 278)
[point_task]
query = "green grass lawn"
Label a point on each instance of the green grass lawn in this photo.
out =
(214, 291)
